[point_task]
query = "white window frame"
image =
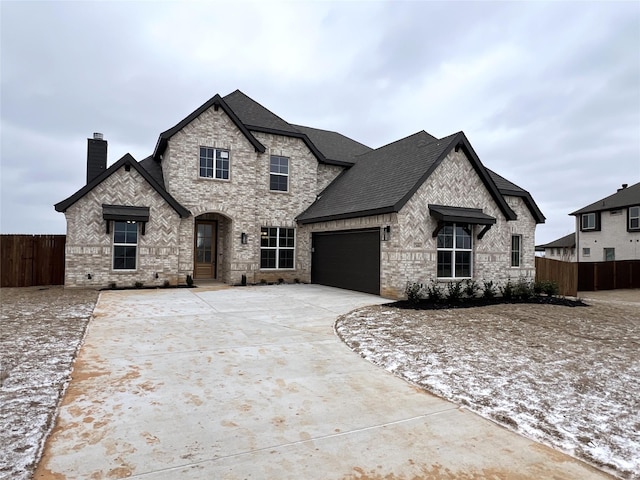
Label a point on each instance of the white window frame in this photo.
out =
(454, 249)
(124, 244)
(518, 251)
(279, 174)
(604, 254)
(587, 216)
(278, 248)
(634, 216)
(586, 251)
(218, 157)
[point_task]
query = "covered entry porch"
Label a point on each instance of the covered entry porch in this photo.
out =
(211, 256)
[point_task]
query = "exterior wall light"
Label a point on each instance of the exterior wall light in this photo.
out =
(243, 238)
(386, 233)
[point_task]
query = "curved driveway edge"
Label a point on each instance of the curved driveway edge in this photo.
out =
(251, 382)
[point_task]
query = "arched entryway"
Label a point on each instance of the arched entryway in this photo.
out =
(210, 243)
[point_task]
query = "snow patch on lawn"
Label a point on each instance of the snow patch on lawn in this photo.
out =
(40, 331)
(566, 377)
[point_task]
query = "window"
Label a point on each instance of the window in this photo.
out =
(634, 218)
(279, 174)
(454, 251)
(125, 245)
(609, 254)
(516, 250)
(586, 252)
(277, 247)
(214, 163)
(589, 221)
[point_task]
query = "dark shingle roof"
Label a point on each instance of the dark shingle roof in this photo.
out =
(254, 116)
(126, 160)
(509, 188)
(383, 180)
(568, 241)
(154, 169)
(333, 145)
(625, 197)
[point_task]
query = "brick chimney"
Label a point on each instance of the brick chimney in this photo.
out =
(96, 156)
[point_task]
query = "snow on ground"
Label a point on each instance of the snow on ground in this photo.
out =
(40, 331)
(567, 377)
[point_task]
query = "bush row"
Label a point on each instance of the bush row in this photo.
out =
(435, 292)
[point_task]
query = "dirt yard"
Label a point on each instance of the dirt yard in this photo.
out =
(567, 377)
(40, 331)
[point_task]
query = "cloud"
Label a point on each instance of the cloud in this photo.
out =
(548, 93)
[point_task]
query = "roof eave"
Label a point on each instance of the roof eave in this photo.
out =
(215, 101)
(346, 215)
(127, 159)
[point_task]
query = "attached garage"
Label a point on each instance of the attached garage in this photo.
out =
(347, 259)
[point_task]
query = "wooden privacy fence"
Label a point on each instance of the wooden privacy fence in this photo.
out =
(565, 274)
(608, 275)
(28, 260)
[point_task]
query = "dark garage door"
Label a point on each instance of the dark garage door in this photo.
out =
(347, 259)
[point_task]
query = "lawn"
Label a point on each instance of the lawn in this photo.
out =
(40, 331)
(567, 377)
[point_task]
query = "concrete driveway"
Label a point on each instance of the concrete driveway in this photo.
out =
(251, 382)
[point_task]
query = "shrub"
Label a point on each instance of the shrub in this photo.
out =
(138, 284)
(112, 285)
(471, 288)
(413, 290)
(434, 292)
(507, 290)
(166, 284)
(551, 288)
(243, 280)
(280, 281)
(454, 291)
(523, 289)
(190, 280)
(538, 288)
(489, 291)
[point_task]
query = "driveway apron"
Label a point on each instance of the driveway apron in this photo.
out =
(251, 382)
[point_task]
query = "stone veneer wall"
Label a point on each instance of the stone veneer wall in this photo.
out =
(244, 201)
(89, 247)
(411, 255)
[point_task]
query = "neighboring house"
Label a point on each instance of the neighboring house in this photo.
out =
(563, 249)
(235, 193)
(609, 229)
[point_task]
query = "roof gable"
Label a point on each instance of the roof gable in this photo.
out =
(216, 102)
(384, 180)
(335, 146)
(511, 189)
(625, 197)
(568, 241)
(126, 161)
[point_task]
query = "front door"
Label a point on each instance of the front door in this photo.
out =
(205, 249)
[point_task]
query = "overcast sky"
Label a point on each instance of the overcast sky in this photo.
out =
(547, 93)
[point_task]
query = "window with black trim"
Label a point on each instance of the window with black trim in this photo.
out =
(279, 174)
(277, 247)
(125, 245)
(588, 221)
(634, 218)
(516, 250)
(455, 253)
(214, 163)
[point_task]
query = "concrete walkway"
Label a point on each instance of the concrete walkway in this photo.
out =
(251, 382)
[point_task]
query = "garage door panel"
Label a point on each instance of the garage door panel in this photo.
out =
(349, 259)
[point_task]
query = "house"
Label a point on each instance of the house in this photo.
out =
(237, 194)
(563, 249)
(609, 229)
